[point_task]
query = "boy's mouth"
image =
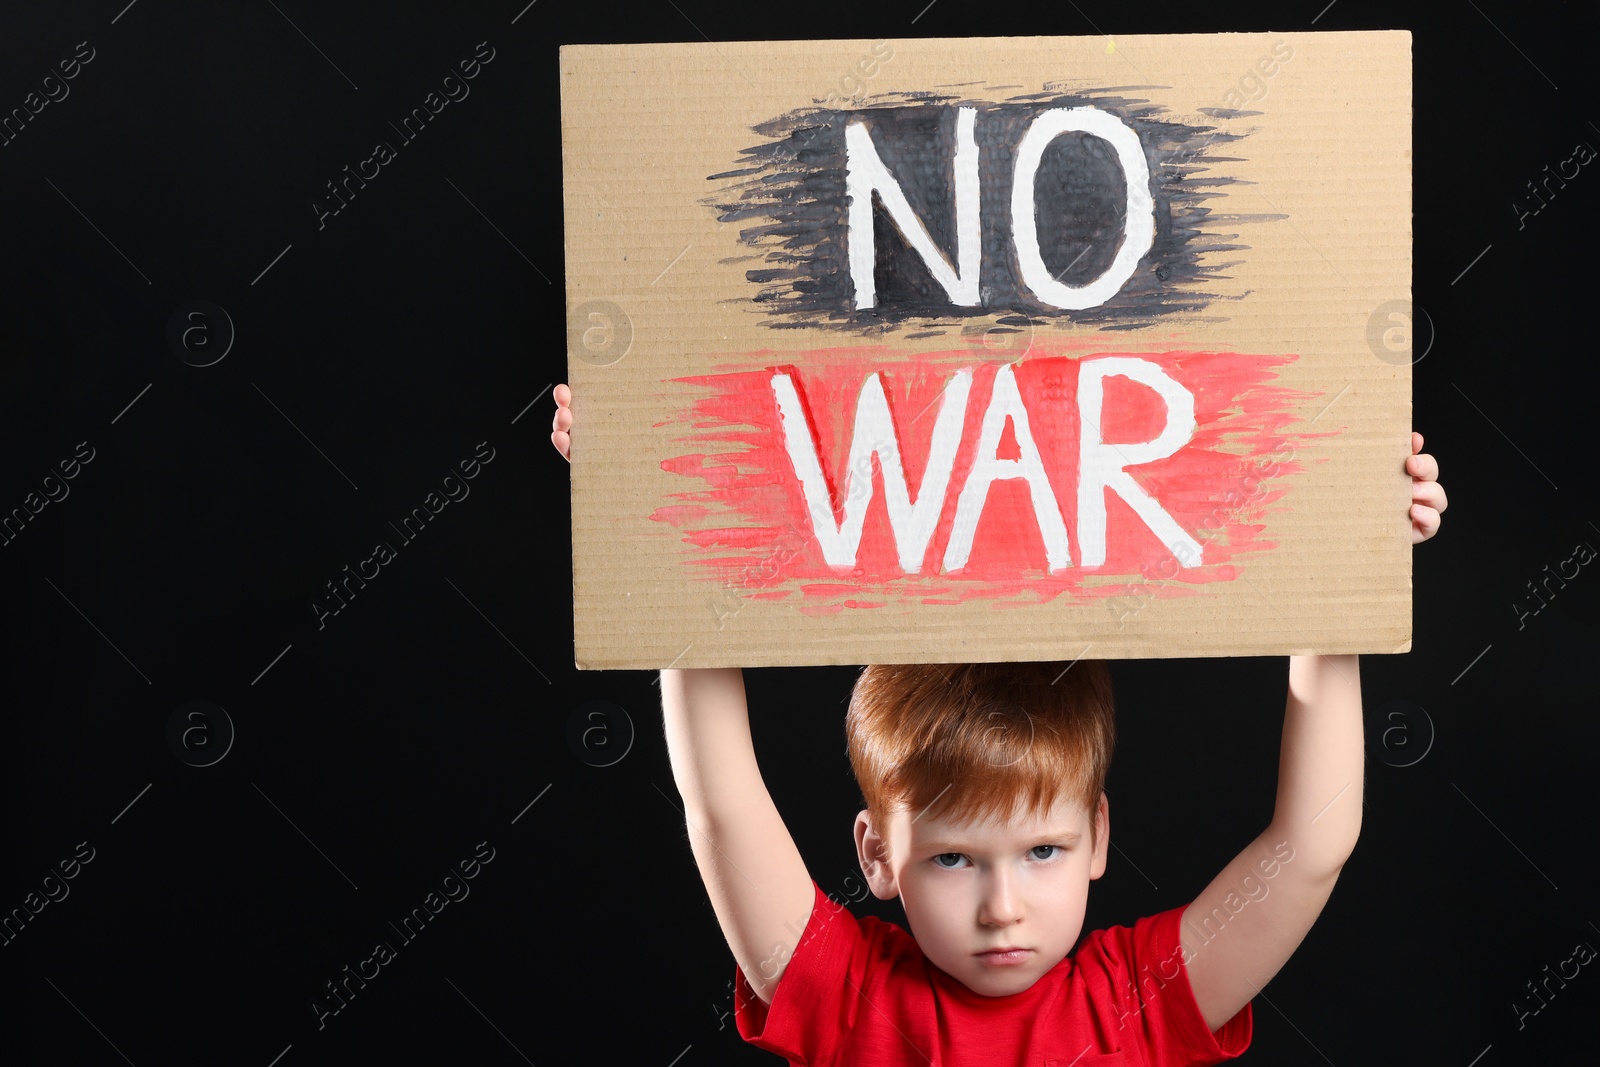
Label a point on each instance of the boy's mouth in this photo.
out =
(1004, 956)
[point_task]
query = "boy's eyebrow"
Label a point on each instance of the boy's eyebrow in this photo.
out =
(1068, 837)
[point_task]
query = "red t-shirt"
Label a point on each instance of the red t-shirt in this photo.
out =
(860, 992)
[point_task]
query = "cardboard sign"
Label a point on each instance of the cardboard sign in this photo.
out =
(989, 349)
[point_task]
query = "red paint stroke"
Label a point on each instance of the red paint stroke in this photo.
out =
(1219, 487)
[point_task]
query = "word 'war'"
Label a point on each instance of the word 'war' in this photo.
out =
(1102, 465)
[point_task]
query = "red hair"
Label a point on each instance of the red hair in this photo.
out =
(980, 739)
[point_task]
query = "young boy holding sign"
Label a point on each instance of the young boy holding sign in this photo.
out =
(985, 814)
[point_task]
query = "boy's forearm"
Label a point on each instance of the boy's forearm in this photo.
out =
(754, 875)
(1321, 764)
(1313, 830)
(708, 739)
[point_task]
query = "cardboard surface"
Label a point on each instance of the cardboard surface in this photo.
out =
(993, 417)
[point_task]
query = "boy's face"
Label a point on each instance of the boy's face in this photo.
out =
(969, 888)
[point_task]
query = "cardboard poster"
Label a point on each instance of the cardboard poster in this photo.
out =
(989, 349)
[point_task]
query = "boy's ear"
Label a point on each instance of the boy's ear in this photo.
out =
(1102, 836)
(873, 852)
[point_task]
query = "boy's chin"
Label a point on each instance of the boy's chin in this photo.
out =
(1012, 981)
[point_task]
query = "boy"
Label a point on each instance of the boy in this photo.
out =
(985, 815)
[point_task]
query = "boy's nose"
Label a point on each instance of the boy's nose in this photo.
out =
(1000, 906)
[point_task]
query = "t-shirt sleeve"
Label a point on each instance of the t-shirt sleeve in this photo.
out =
(815, 1002)
(1153, 1005)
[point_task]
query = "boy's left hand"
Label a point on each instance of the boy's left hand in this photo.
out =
(1427, 495)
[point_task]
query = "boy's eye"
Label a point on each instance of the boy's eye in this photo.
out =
(955, 859)
(1050, 855)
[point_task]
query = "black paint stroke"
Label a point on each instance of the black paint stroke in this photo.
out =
(791, 190)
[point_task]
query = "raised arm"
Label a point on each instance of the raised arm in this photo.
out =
(1250, 919)
(1243, 927)
(755, 877)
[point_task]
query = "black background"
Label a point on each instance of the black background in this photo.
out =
(371, 755)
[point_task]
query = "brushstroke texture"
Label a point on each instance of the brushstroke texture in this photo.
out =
(748, 528)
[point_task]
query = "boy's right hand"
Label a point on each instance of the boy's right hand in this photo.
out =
(561, 426)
